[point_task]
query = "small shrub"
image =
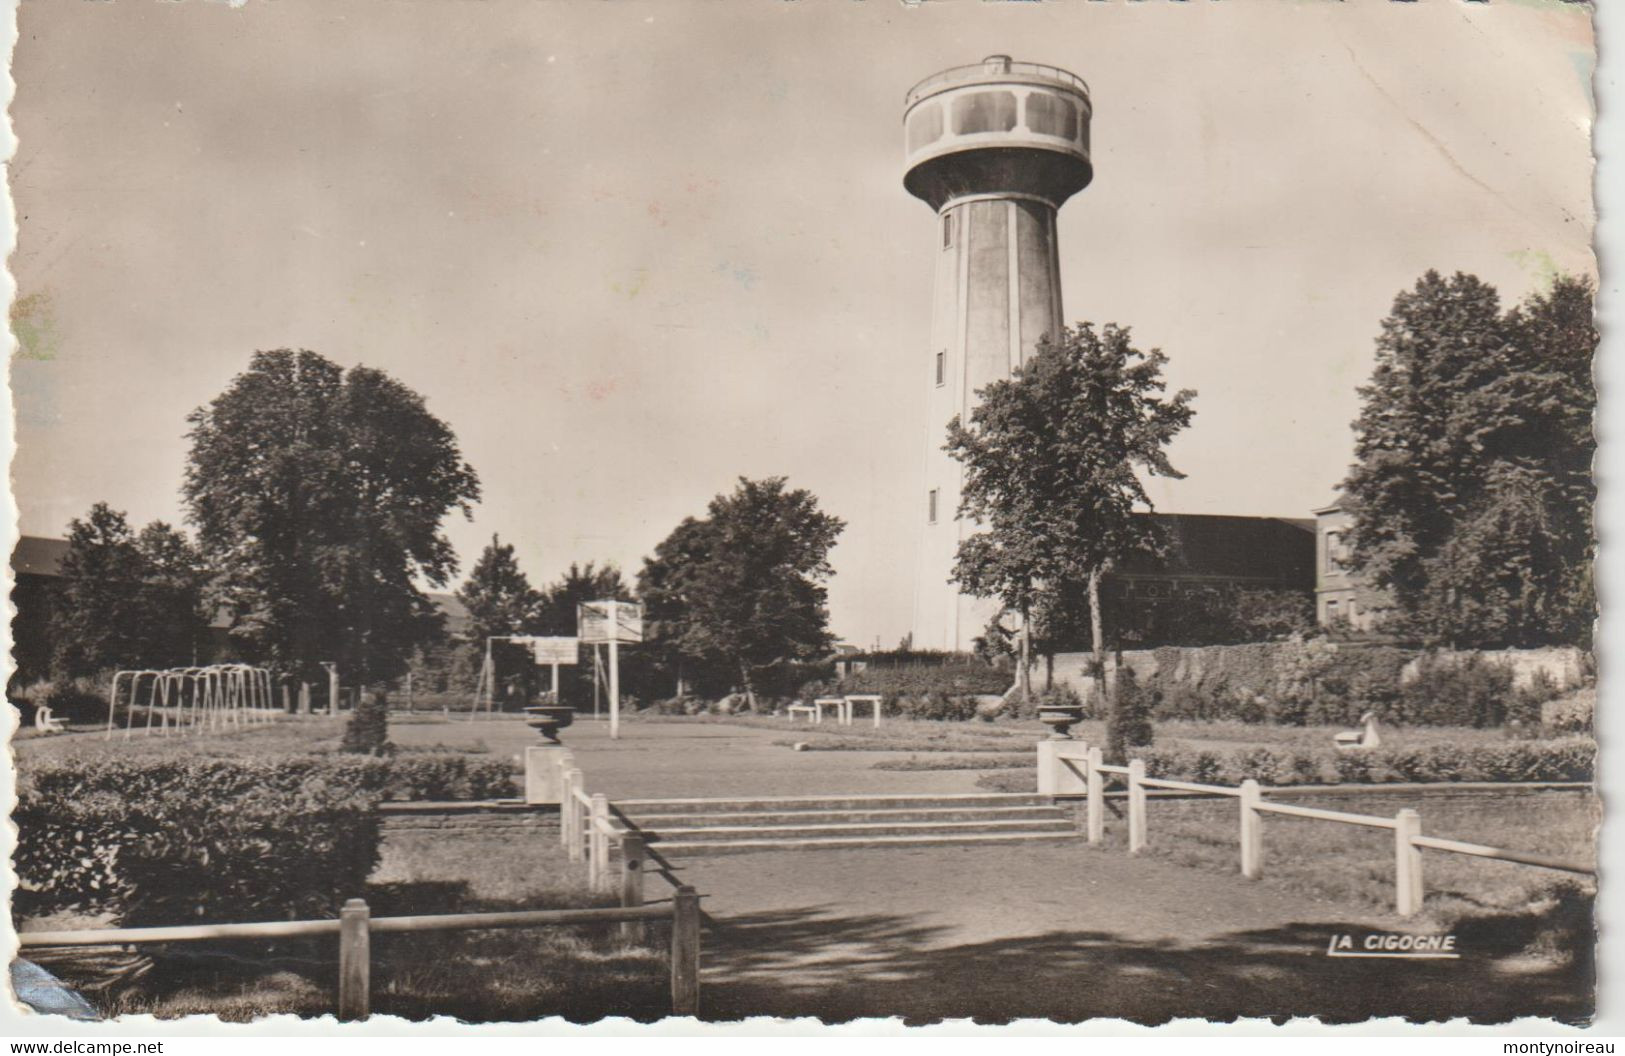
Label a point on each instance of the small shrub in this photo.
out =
(1457, 691)
(367, 732)
(1571, 759)
(1129, 723)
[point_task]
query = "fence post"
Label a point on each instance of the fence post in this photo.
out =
(355, 962)
(685, 952)
(632, 854)
(573, 784)
(1097, 796)
(598, 843)
(1252, 831)
(1408, 893)
(1136, 806)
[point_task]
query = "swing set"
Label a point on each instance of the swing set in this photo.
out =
(183, 700)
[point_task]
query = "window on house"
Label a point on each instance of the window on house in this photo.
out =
(947, 230)
(942, 367)
(931, 507)
(1331, 611)
(1334, 551)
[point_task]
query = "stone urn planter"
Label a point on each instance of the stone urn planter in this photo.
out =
(549, 719)
(1060, 718)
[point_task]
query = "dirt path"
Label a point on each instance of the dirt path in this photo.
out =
(1066, 932)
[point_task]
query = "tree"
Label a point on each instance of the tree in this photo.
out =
(126, 600)
(498, 596)
(745, 585)
(559, 605)
(1476, 423)
(318, 495)
(1051, 458)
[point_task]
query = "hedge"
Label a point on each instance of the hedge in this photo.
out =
(921, 691)
(1569, 759)
(1322, 683)
(166, 841)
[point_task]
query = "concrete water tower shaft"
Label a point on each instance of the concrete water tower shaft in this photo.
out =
(994, 149)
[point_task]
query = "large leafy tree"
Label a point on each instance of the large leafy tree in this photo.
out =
(744, 586)
(498, 595)
(126, 599)
(318, 495)
(1472, 490)
(580, 583)
(1052, 459)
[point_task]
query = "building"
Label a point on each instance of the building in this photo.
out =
(994, 149)
(1341, 595)
(1209, 554)
(36, 566)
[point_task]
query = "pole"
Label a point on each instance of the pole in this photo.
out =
(332, 689)
(685, 952)
(1136, 806)
(555, 681)
(1097, 797)
(1252, 831)
(1407, 863)
(355, 962)
(614, 690)
(632, 853)
(597, 671)
(598, 843)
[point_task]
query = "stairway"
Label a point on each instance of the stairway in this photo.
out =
(731, 826)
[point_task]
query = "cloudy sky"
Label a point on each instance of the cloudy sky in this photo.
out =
(632, 251)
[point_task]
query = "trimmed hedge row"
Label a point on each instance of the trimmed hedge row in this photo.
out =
(160, 840)
(1570, 759)
(921, 691)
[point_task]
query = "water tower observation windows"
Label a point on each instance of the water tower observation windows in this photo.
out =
(931, 506)
(1051, 115)
(924, 126)
(942, 368)
(985, 112)
(947, 230)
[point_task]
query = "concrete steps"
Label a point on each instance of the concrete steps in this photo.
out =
(731, 826)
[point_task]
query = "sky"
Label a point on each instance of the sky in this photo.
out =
(630, 252)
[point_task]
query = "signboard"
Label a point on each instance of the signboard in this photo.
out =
(610, 621)
(554, 650)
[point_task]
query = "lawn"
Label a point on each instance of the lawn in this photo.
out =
(1350, 864)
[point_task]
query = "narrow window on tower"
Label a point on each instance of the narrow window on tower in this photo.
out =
(947, 230)
(942, 367)
(931, 506)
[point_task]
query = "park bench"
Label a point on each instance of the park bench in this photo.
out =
(849, 702)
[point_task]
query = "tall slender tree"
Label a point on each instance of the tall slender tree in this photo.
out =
(1053, 457)
(498, 595)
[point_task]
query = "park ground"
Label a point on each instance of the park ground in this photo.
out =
(1066, 931)
(1049, 930)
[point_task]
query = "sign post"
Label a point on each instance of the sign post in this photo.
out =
(553, 652)
(611, 623)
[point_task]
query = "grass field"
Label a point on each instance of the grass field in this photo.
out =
(1349, 864)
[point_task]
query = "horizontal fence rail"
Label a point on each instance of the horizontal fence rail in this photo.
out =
(1073, 767)
(355, 927)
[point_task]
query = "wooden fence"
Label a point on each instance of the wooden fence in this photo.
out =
(1074, 768)
(355, 927)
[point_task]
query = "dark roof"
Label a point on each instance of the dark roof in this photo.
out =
(38, 556)
(1276, 549)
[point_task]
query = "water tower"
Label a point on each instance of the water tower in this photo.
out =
(994, 149)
